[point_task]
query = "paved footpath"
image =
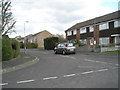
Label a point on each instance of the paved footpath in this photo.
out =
(22, 61)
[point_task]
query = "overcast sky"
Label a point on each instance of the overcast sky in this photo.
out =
(56, 15)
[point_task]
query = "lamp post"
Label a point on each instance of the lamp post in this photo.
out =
(25, 38)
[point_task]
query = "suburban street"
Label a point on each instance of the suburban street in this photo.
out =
(80, 70)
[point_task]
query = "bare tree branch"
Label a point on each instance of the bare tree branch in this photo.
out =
(8, 21)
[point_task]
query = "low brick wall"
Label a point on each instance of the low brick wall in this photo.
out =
(103, 49)
(83, 49)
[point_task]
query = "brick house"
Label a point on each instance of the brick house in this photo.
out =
(102, 30)
(38, 38)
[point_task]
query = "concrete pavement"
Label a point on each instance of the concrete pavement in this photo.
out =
(20, 62)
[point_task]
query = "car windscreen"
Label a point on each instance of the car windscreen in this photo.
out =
(70, 45)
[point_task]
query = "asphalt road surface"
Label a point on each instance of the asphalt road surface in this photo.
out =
(80, 70)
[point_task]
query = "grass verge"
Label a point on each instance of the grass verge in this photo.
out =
(115, 51)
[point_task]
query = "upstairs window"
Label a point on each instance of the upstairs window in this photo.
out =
(117, 23)
(82, 30)
(69, 33)
(74, 32)
(91, 29)
(103, 26)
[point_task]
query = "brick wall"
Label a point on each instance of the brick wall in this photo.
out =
(96, 34)
(78, 34)
(66, 35)
(41, 37)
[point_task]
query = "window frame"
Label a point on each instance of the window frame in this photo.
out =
(117, 21)
(104, 38)
(83, 31)
(69, 33)
(104, 26)
(91, 30)
(74, 32)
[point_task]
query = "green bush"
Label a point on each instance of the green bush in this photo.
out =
(10, 48)
(7, 52)
(15, 48)
(31, 45)
(21, 45)
(49, 43)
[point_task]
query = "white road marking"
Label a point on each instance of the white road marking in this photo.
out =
(85, 66)
(87, 72)
(117, 64)
(89, 60)
(26, 81)
(102, 70)
(64, 56)
(100, 62)
(69, 75)
(3, 84)
(73, 57)
(50, 78)
(115, 67)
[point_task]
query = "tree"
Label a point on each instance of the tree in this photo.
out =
(8, 20)
(61, 38)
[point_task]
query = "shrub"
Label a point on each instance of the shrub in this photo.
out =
(10, 48)
(31, 45)
(21, 45)
(49, 43)
(6, 49)
(15, 48)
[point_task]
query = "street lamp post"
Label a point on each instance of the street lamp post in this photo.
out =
(25, 38)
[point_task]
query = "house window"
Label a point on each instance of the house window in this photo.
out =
(91, 29)
(117, 23)
(82, 30)
(103, 26)
(91, 41)
(83, 41)
(74, 32)
(104, 41)
(117, 40)
(69, 33)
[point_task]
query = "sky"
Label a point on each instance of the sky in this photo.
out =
(56, 16)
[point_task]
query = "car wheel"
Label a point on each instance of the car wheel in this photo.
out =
(74, 53)
(63, 52)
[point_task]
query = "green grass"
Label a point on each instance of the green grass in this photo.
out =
(115, 51)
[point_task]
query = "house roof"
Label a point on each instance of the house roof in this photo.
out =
(96, 20)
(41, 32)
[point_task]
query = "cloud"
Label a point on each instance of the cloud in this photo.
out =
(55, 15)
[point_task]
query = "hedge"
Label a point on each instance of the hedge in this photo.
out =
(49, 43)
(6, 49)
(15, 48)
(10, 48)
(31, 45)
